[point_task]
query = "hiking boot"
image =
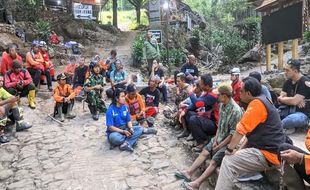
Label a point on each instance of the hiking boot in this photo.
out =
(4, 139)
(126, 146)
(60, 115)
(22, 125)
(150, 130)
(185, 133)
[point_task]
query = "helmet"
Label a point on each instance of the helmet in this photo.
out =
(93, 64)
(35, 43)
(42, 43)
(235, 71)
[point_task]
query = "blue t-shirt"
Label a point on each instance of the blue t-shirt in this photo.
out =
(117, 117)
(118, 76)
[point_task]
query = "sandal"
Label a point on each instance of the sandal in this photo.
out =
(187, 186)
(180, 175)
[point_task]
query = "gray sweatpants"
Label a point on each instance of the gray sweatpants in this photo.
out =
(243, 161)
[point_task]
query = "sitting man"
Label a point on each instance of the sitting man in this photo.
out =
(202, 115)
(265, 90)
(94, 88)
(118, 79)
(35, 66)
(48, 65)
(295, 95)
(159, 72)
(9, 108)
(230, 114)
(64, 97)
(69, 69)
(190, 70)
(300, 159)
(151, 97)
(261, 124)
(182, 90)
(81, 73)
(236, 84)
(136, 107)
(8, 57)
(18, 82)
(120, 131)
(110, 63)
(54, 39)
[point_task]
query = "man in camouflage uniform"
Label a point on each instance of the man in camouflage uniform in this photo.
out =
(94, 88)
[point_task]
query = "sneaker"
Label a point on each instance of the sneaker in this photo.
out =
(4, 139)
(150, 130)
(190, 138)
(250, 177)
(126, 146)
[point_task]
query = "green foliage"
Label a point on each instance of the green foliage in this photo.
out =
(307, 36)
(28, 9)
(176, 57)
(137, 48)
(43, 30)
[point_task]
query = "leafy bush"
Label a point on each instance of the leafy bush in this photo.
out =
(137, 49)
(28, 10)
(307, 36)
(176, 57)
(43, 30)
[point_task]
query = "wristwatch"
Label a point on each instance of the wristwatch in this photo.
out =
(229, 150)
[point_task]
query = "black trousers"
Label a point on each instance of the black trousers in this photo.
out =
(23, 92)
(202, 128)
(300, 168)
(64, 107)
(36, 76)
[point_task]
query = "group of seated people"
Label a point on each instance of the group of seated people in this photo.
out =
(240, 128)
(218, 120)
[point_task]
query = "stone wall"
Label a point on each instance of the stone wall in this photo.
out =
(7, 28)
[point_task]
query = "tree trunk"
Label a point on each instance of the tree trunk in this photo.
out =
(115, 13)
(138, 13)
(69, 6)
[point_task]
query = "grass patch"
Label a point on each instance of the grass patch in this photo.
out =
(128, 17)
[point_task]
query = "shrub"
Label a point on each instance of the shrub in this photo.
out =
(176, 57)
(307, 36)
(137, 49)
(43, 30)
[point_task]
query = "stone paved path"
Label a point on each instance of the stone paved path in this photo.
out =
(77, 156)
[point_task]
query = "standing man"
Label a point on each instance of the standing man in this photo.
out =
(159, 72)
(236, 84)
(150, 51)
(295, 95)
(8, 57)
(190, 70)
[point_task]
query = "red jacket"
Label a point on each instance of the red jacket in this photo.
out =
(54, 39)
(7, 62)
(236, 86)
(12, 79)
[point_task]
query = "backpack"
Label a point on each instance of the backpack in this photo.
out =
(75, 49)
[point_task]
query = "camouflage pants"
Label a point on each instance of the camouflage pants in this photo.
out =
(94, 99)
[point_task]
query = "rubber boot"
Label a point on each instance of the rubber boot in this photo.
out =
(18, 117)
(60, 114)
(69, 114)
(31, 99)
(94, 112)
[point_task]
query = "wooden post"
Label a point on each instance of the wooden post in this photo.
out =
(268, 57)
(295, 49)
(280, 55)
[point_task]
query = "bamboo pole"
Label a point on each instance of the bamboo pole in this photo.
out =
(295, 49)
(268, 57)
(280, 55)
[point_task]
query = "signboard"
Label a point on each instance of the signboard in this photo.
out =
(82, 11)
(282, 25)
(157, 34)
(89, 2)
(154, 11)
